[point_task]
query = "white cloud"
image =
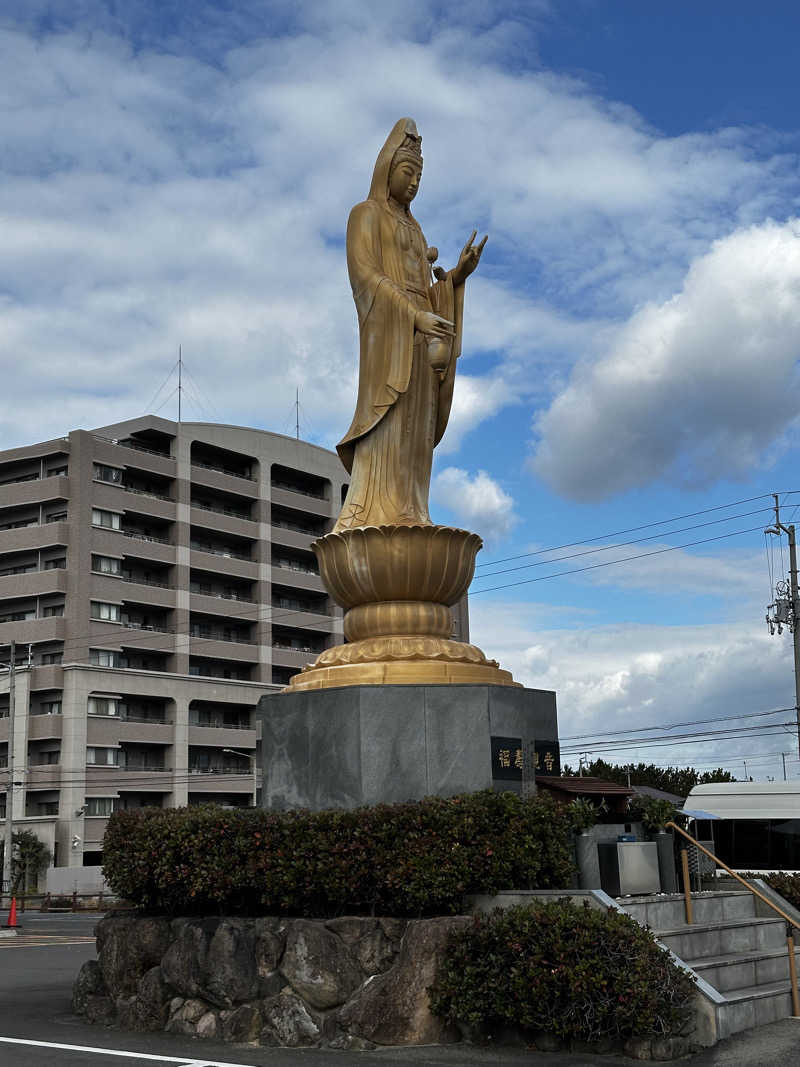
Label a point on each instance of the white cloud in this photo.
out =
(611, 678)
(477, 501)
(739, 576)
(696, 388)
(171, 184)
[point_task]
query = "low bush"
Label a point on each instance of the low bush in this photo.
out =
(399, 859)
(788, 885)
(570, 971)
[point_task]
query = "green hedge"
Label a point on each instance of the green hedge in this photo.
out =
(788, 885)
(571, 971)
(400, 859)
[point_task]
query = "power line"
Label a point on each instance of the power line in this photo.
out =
(675, 725)
(614, 562)
(634, 529)
(623, 544)
(688, 739)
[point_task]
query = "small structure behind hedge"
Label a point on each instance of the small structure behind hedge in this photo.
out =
(409, 859)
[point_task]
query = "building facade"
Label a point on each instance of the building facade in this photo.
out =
(157, 579)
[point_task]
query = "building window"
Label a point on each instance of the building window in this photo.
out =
(106, 565)
(57, 564)
(43, 759)
(52, 657)
(102, 757)
(105, 612)
(102, 806)
(56, 471)
(18, 616)
(53, 611)
(47, 707)
(103, 473)
(109, 519)
(103, 706)
(105, 657)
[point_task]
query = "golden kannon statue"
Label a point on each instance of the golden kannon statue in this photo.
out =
(394, 572)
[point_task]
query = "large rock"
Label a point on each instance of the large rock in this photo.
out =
(184, 1015)
(152, 1002)
(127, 946)
(184, 963)
(393, 1008)
(231, 974)
(367, 941)
(88, 983)
(288, 1022)
(318, 966)
(241, 1025)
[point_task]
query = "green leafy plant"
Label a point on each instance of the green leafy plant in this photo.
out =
(652, 812)
(582, 814)
(29, 857)
(567, 970)
(399, 859)
(677, 780)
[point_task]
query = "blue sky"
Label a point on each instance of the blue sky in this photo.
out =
(182, 174)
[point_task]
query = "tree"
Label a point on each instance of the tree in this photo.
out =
(677, 780)
(29, 857)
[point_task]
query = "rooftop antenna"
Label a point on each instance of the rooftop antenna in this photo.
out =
(180, 380)
(297, 413)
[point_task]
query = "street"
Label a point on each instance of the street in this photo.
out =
(38, 1029)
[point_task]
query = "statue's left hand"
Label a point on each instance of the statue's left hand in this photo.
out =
(469, 259)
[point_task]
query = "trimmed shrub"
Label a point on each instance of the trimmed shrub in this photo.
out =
(570, 971)
(788, 885)
(400, 859)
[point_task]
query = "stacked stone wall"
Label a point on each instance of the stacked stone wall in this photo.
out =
(350, 982)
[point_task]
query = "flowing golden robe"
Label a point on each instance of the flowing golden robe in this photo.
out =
(403, 403)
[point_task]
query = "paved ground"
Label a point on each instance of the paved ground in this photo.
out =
(37, 1028)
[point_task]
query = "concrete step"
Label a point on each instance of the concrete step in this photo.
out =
(702, 940)
(668, 910)
(742, 970)
(754, 1006)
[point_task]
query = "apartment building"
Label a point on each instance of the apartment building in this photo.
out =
(157, 579)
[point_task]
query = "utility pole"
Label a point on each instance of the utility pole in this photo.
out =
(783, 757)
(9, 835)
(792, 617)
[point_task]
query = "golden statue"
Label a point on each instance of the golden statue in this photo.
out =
(394, 572)
(410, 334)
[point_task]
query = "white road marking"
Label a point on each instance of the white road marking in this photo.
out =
(122, 1053)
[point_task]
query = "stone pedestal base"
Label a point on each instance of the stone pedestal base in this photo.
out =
(370, 744)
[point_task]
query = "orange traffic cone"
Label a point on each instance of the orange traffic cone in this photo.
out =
(12, 914)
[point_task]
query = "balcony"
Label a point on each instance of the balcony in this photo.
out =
(289, 497)
(234, 525)
(245, 653)
(44, 776)
(33, 630)
(118, 496)
(45, 727)
(33, 583)
(35, 491)
(23, 538)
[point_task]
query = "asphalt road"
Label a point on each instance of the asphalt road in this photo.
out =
(38, 1029)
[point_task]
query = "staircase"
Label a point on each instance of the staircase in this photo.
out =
(740, 959)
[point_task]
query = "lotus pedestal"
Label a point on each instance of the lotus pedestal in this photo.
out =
(397, 585)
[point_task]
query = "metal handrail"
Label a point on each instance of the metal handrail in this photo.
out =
(790, 922)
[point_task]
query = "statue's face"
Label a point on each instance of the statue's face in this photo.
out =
(404, 181)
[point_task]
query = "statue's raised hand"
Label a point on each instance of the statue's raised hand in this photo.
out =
(469, 259)
(432, 324)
